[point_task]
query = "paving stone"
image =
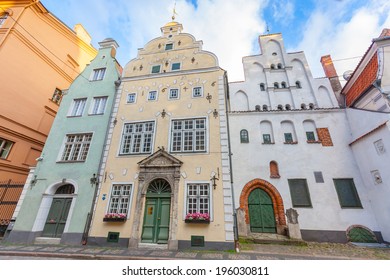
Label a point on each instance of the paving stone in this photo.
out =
(161, 253)
(50, 249)
(30, 248)
(71, 250)
(93, 251)
(115, 252)
(186, 255)
(212, 256)
(238, 257)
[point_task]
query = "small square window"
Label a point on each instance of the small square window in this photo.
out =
(152, 95)
(156, 69)
(175, 66)
(267, 139)
(288, 138)
(98, 74)
(169, 46)
(197, 92)
(299, 191)
(310, 136)
(131, 98)
(173, 93)
(318, 177)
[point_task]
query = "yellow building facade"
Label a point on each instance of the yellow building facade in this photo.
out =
(165, 177)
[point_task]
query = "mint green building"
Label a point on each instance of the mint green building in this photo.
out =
(59, 193)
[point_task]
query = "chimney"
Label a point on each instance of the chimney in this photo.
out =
(331, 74)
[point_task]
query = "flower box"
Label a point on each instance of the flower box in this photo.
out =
(192, 221)
(114, 219)
(197, 218)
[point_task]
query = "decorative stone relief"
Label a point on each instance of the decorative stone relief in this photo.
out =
(376, 176)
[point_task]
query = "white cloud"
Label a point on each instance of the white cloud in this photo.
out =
(283, 11)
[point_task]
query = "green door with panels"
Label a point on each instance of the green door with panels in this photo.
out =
(56, 220)
(261, 212)
(157, 212)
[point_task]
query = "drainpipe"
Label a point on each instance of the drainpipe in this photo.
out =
(235, 226)
(15, 21)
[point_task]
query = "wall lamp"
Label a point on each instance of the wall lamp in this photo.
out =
(94, 180)
(163, 113)
(215, 113)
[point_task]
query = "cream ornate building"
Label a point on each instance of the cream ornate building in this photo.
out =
(168, 154)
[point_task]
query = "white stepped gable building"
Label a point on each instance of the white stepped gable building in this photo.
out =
(289, 140)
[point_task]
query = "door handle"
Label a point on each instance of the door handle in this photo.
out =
(158, 218)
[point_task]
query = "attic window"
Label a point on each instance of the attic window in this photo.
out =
(169, 46)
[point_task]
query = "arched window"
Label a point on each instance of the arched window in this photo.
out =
(284, 85)
(65, 189)
(257, 108)
(266, 132)
(244, 136)
(274, 169)
(276, 85)
(265, 108)
(303, 106)
(272, 66)
(262, 87)
(288, 132)
(280, 107)
(298, 84)
(310, 130)
(288, 107)
(311, 106)
(279, 65)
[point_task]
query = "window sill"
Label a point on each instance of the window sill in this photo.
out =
(270, 143)
(188, 221)
(275, 176)
(313, 142)
(70, 161)
(290, 143)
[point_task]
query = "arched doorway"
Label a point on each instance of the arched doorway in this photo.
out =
(155, 228)
(58, 213)
(260, 200)
(261, 212)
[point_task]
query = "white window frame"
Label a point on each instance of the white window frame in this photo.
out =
(131, 94)
(210, 197)
(182, 132)
(121, 196)
(5, 146)
(128, 138)
(201, 92)
(170, 94)
(149, 95)
(98, 74)
(99, 105)
(74, 150)
(77, 108)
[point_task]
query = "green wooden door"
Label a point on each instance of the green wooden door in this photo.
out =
(261, 212)
(157, 212)
(156, 220)
(56, 219)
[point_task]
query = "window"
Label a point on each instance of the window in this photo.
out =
(280, 66)
(303, 106)
(197, 92)
(265, 108)
(156, 69)
(274, 169)
(137, 138)
(257, 108)
(76, 147)
(288, 138)
(3, 18)
(262, 87)
(267, 139)
(318, 177)
(173, 93)
(244, 136)
(99, 105)
(284, 85)
(120, 198)
(57, 96)
(272, 66)
(298, 84)
(131, 98)
(5, 148)
(198, 198)
(169, 46)
(311, 106)
(188, 135)
(288, 107)
(310, 136)
(175, 66)
(347, 193)
(276, 85)
(300, 196)
(77, 108)
(280, 107)
(98, 74)
(152, 95)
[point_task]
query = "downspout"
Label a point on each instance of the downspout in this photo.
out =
(16, 20)
(98, 175)
(235, 226)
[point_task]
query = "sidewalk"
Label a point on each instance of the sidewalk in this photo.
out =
(311, 251)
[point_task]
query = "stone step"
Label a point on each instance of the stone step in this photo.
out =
(47, 240)
(269, 238)
(153, 246)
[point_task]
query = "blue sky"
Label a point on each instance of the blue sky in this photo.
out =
(342, 28)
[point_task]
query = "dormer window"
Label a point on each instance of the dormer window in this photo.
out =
(169, 46)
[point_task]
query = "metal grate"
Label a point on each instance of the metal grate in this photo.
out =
(197, 241)
(113, 237)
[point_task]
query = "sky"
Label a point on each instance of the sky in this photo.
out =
(230, 29)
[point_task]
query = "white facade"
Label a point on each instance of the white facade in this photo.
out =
(297, 126)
